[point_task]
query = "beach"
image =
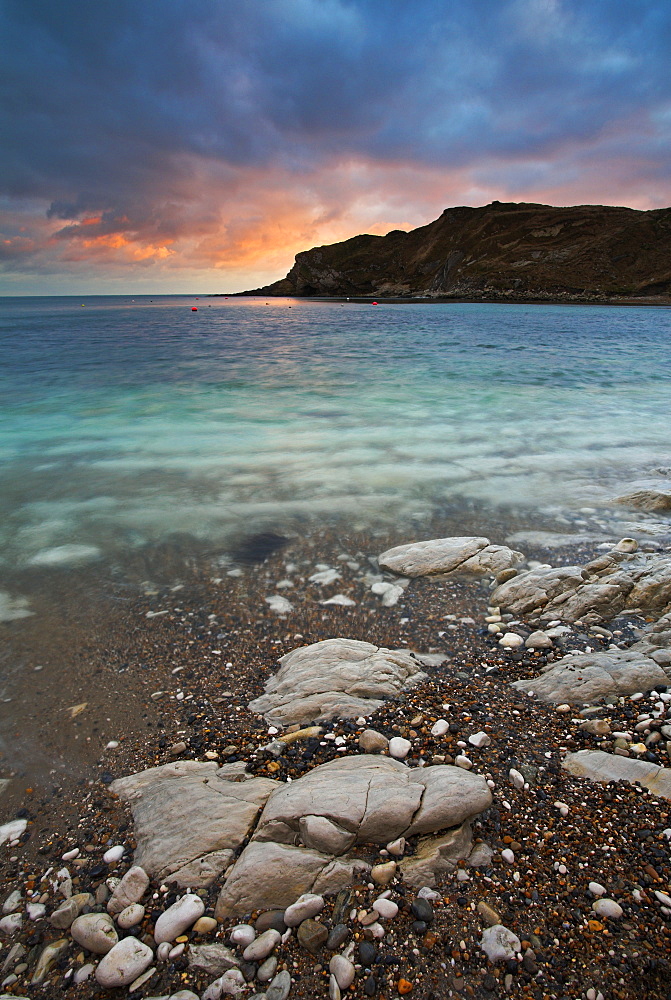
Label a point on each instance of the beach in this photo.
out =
(168, 677)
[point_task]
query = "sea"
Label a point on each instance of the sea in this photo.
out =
(128, 422)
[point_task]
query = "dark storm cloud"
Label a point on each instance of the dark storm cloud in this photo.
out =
(147, 114)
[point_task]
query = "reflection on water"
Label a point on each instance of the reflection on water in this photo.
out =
(129, 421)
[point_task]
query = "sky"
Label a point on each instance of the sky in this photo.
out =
(198, 145)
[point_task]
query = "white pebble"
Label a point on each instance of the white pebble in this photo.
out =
(178, 917)
(607, 908)
(243, 935)
(511, 640)
(386, 908)
(440, 727)
(70, 855)
(114, 854)
(131, 916)
(516, 778)
(596, 889)
(507, 855)
(479, 740)
(399, 747)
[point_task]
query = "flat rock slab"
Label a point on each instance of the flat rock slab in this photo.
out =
(463, 554)
(590, 677)
(191, 817)
(307, 826)
(342, 678)
(600, 766)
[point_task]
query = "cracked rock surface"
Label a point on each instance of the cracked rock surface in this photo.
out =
(337, 677)
(638, 581)
(307, 826)
(191, 817)
(463, 554)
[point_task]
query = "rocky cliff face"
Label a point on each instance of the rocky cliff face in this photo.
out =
(500, 251)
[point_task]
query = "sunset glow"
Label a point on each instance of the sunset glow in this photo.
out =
(160, 146)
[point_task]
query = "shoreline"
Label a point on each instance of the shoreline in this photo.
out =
(197, 629)
(473, 300)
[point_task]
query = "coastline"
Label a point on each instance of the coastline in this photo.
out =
(658, 301)
(165, 639)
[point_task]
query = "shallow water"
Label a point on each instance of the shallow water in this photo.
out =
(127, 422)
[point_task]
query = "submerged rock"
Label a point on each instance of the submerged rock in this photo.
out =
(337, 677)
(647, 494)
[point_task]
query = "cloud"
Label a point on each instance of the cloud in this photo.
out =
(177, 135)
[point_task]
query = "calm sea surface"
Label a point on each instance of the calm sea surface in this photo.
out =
(127, 422)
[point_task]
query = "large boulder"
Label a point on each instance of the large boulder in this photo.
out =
(337, 677)
(463, 554)
(191, 817)
(589, 677)
(307, 826)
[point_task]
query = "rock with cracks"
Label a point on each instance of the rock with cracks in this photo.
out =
(618, 580)
(337, 677)
(589, 677)
(463, 554)
(307, 826)
(191, 817)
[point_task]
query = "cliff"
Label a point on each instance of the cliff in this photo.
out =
(500, 251)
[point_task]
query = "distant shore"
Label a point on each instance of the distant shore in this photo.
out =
(659, 301)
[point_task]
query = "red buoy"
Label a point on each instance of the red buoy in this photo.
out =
(374, 303)
(194, 309)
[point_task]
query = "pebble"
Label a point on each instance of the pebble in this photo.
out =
(399, 747)
(12, 902)
(397, 847)
(463, 761)
(370, 741)
(538, 640)
(312, 935)
(488, 914)
(124, 963)
(280, 986)
(307, 905)
(422, 909)
(500, 944)
(178, 917)
(204, 925)
(516, 778)
(83, 973)
(607, 908)
(95, 932)
(35, 911)
(387, 908)
(479, 740)
(262, 946)
(508, 855)
(131, 916)
(337, 937)
(267, 970)
(596, 889)
(270, 919)
(242, 935)
(440, 727)
(130, 889)
(511, 640)
(114, 854)
(51, 954)
(11, 924)
(343, 970)
(384, 873)
(367, 953)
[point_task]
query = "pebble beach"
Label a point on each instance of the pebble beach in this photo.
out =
(562, 893)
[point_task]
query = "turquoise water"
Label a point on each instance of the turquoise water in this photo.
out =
(126, 421)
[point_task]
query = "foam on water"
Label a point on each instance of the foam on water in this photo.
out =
(129, 421)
